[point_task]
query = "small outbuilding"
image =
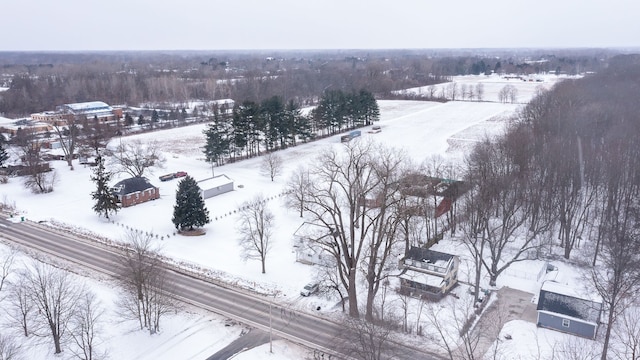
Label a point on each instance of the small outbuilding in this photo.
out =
(562, 308)
(134, 191)
(215, 186)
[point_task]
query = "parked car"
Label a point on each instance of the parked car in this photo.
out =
(309, 289)
(181, 174)
(374, 130)
(167, 177)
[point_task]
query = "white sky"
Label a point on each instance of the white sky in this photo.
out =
(315, 24)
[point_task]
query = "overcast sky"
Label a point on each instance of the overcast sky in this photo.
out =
(315, 24)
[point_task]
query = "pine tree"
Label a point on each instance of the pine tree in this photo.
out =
(3, 154)
(189, 210)
(155, 117)
(106, 200)
(217, 143)
(128, 119)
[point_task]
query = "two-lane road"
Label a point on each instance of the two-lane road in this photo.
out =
(251, 309)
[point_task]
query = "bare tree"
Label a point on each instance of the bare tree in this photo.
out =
(9, 349)
(37, 176)
(95, 135)
(510, 232)
(85, 329)
(340, 185)
(6, 267)
(135, 158)
(381, 221)
(452, 91)
(145, 296)
(508, 93)
(474, 227)
(616, 274)
(627, 334)
(271, 165)
(480, 91)
(337, 183)
(68, 134)
(56, 295)
(431, 91)
(255, 226)
(448, 335)
(296, 189)
(575, 348)
(365, 340)
(20, 306)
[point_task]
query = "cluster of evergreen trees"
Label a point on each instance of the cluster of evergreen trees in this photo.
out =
(253, 128)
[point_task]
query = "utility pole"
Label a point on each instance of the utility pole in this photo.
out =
(270, 331)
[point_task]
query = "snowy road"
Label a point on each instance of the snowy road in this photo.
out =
(300, 327)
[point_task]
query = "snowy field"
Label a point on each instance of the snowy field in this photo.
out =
(492, 84)
(420, 128)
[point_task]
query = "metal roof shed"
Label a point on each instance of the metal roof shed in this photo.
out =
(215, 186)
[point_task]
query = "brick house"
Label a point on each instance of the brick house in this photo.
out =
(134, 191)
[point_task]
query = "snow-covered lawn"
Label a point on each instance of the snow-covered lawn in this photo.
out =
(421, 128)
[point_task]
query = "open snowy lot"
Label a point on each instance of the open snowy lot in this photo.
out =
(420, 128)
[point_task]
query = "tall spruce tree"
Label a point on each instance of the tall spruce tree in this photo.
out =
(106, 200)
(3, 153)
(217, 143)
(189, 210)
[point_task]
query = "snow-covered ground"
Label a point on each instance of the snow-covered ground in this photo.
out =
(526, 86)
(421, 128)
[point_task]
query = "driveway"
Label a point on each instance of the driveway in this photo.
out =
(509, 304)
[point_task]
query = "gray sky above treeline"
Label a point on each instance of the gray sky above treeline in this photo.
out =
(38, 25)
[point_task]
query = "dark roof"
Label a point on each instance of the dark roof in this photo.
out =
(131, 185)
(568, 305)
(421, 185)
(426, 255)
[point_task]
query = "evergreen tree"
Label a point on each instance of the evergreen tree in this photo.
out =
(155, 117)
(240, 130)
(106, 201)
(369, 105)
(189, 210)
(217, 143)
(3, 152)
(128, 120)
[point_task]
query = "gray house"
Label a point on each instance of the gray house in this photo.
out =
(561, 308)
(215, 186)
(428, 273)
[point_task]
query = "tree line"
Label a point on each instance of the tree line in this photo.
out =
(566, 178)
(254, 128)
(40, 82)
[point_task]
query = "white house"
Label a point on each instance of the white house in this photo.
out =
(428, 273)
(308, 244)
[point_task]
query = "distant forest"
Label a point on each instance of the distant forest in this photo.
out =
(40, 81)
